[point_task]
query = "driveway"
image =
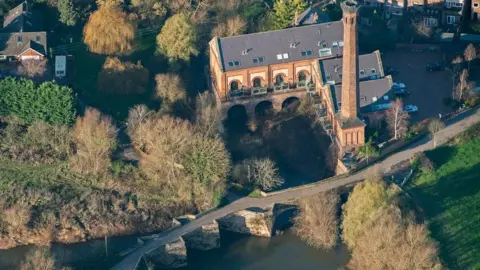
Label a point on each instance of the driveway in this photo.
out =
(427, 89)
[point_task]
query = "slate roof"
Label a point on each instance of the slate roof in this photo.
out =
(244, 48)
(311, 16)
(370, 67)
(371, 92)
(20, 19)
(10, 44)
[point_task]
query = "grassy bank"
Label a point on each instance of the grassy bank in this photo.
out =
(450, 198)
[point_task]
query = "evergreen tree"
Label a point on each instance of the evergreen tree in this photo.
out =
(285, 11)
(68, 13)
(178, 38)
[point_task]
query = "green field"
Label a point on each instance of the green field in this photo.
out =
(450, 198)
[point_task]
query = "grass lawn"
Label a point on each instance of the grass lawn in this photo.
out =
(450, 198)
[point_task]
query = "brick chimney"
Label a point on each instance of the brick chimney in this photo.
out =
(350, 85)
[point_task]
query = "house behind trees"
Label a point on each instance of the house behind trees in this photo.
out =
(22, 36)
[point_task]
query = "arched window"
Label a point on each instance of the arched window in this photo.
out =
(278, 79)
(234, 86)
(257, 82)
(302, 76)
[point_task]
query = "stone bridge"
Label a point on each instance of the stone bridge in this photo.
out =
(173, 238)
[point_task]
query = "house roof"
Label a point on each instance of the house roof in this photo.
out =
(369, 66)
(17, 43)
(20, 19)
(371, 92)
(291, 42)
(311, 16)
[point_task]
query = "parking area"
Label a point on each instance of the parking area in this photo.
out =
(427, 89)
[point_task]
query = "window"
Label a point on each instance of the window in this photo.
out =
(364, 98)
(3, 57)
(374, 99)
(257, 82)
(278, 79)
(237, 63)
(385, 97)
(475, 4)
(334, 44)
(340, 75)
(448, 4)
(306, 53)
(19, 39)
(450, 19)
(340, 43)
(374, 71)
(255, 60)
(325, 52)
(302, 76)
(430, 22)
(234, 86)
(458, 4)
(328, 77)
(37, 38)
(285, 56)
(309, 53)
(324, 45)
(279, 56)
(260, 59)
(362, 72)
(230, 64)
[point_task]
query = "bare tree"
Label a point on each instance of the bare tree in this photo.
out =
(470, 54)
(434, 127)
(397, 119)
(32, 67)
(462, 85)
(170, 88)
(136, 117)
(207, 117)
(95, 137)
(232, 27)
(261, 172)
(39, 259)
(317, 221)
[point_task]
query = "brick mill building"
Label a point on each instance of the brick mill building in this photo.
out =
(318, 61)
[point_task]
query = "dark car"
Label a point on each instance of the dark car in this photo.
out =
(391, 71)
(434, 66)
(401, 92)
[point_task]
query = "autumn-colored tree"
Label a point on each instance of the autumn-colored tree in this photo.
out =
(317, 221)
(397, 119)
(285, 12)
(117, 77)
(150, 13)
(434, 127)
(170, 88)
(108, 31)
(189, 166)
(392, 241)
(470, 54)
(95, 137)
(232, 27)
(32, 68)
(178, 38)
(462, 86)
(362, 207)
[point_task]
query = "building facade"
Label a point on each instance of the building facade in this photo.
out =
(319, 62)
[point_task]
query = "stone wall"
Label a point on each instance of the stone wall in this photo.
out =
(172, 255)
(205, 238)
(249, 221)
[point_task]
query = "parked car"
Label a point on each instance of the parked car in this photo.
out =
(391, 71)
(401, 92)
(434, 66)
(397, 85)
(410, 109)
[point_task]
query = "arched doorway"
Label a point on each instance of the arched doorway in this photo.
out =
(257, 82)
(279, 79)
(237, 118)
(263, 108)
(290, 104)
(234, 86)
(302, 76)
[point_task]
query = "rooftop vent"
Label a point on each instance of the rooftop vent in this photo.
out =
(293, 45)
(245, 52)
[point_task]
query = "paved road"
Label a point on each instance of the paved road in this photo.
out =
(454, 127)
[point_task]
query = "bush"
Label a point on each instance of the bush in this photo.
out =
(472, 101)
(47, 102)
(259, 172)
(317, 222)
(119, 77)
(37, 143)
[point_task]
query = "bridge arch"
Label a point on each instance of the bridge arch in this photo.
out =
(291, 103)
(263, 108)
(237, 112)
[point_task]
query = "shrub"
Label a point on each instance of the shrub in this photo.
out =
(260, 172)
(47, 102)
(119, 77)
(317, 222)
(39, 259)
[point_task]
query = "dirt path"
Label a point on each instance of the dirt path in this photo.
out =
(454, 127)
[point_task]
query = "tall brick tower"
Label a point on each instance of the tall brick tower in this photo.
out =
(350, 85)
(350, 130)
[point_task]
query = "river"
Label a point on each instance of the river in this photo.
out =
(237, 252)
